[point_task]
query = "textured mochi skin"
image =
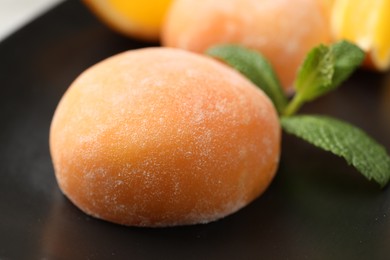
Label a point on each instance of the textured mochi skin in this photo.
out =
(282, 30)
(162, 137)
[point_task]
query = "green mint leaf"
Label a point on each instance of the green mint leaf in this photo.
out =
(344, 140)
(323, 70)
(255, 67)
(347, 57)
(315, 74)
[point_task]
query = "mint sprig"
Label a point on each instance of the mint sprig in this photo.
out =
(323, 70)
(250, 63)
(344, 140)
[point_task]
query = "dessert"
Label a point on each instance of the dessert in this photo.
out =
(282, 30)
(162, 137)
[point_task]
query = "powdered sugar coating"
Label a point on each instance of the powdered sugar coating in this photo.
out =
(283, 30)
(162, 137)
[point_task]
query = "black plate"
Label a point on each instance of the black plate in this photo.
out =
(316, 208)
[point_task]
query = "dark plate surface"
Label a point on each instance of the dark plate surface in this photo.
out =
(316, 208)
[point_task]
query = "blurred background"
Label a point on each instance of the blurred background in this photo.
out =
(16, 13)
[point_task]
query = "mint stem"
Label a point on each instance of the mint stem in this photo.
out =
(293, 106)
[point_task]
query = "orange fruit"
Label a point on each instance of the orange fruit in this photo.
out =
(283, 30)
(367, 24)
(133, 18)
(163, 137)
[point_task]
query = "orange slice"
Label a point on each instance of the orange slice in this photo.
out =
(133, 18)
(367, 24)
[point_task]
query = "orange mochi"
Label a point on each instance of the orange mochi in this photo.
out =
(283, 30)
(161, 137)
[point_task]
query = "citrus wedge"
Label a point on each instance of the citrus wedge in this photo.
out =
(133, 18)
(367, 24)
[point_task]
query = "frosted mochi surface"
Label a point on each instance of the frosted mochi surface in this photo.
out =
(139, 140)
(282, 30)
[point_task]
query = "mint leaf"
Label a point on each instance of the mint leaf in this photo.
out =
(344, 140)
(323, 70)
(255, 67)
(347, 58)
(316, 73)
